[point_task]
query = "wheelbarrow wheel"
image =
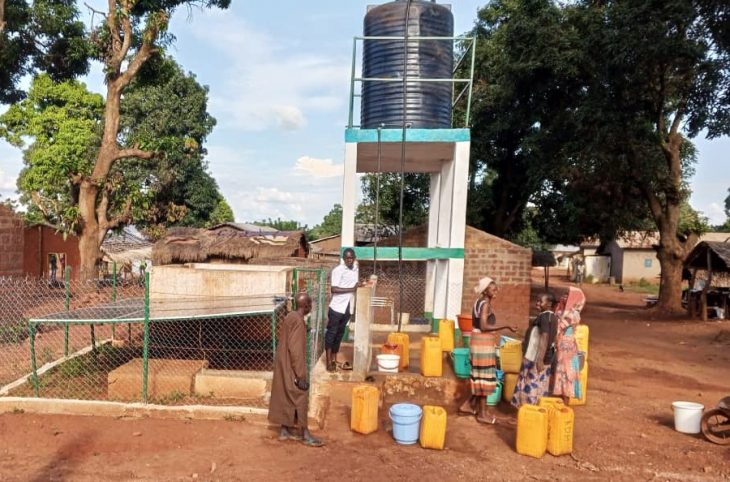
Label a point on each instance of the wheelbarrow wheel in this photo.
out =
(715, 426)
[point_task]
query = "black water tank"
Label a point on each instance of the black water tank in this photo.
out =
(428, 103)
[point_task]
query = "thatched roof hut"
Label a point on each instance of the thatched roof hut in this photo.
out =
(227, 243)
(717, 254)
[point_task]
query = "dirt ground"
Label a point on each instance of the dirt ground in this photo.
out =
(638, 366)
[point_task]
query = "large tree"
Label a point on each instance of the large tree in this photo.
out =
(165, 110)
(660, 73)
(130, 35)
(39, 36)
(526, 82)
(63, 122)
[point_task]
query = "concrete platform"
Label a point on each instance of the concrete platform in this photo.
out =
(332, 392)
(165, 377)
(232, 384)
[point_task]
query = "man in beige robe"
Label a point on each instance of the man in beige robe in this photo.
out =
(290, 388)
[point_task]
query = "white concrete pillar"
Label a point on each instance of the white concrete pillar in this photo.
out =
(457, 230)
(361, 358)
(433, 223)
(349, 195)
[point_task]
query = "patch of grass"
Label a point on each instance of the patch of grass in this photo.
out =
(172, 397)
(642, 286)
(17, 410)
(234, 418)
(47, 355)
(13, 332)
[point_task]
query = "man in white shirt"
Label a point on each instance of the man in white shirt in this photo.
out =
(344, 282)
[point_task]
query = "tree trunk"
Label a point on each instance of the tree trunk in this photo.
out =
(89, 244)
(670, 291)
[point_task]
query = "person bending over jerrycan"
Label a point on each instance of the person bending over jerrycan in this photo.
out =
(290, 388)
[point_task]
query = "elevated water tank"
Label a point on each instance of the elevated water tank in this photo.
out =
(428, 104)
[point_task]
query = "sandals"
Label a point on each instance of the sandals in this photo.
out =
(312, 442)
(493, 420)
(345, 366)
(291, 436)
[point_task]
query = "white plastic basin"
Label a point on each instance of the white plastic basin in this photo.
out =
(388, 363)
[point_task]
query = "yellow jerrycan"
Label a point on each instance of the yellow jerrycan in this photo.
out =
(433, 428)
(532, 430)
(446, 335)
(560, 429)
(364, 416)
(431, 358)
(402, 340)
(508, 389)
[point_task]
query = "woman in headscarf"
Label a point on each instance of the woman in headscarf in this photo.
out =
(566, 383)
(482, 352)
(538, 354)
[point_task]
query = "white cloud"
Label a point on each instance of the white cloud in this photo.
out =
(289, 117)
(267, 82)
(716, 213)
(7, 183)
(312, 166)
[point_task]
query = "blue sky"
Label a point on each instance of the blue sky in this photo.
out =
(278, 74)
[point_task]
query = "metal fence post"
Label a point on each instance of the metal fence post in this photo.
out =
(66, 305)
(273, 335)
(114, 295)
(145, 345)
(33, 366)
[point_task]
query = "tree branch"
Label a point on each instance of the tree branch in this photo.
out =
(111, 21)
(145, 52)
(124, 217)
(101, 209)
(134, 152)
(93, 10)
(2, 16)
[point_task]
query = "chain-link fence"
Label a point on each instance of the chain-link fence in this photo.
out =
(108, 340)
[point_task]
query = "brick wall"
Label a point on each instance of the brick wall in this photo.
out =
(40, 241)
(508, 264)
(11, 243)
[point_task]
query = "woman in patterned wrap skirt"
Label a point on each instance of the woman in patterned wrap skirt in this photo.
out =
(483, 353)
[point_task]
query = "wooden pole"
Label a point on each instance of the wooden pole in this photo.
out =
(691, 299)
(708, 282)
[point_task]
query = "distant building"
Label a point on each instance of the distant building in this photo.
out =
(632, 255)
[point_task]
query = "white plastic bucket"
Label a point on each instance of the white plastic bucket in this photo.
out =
(687, 416)
(388, 363)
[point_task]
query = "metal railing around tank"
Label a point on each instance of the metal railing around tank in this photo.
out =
(467, 50)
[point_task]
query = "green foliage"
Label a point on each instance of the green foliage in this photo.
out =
(330, 225)
(61, 122)
(165, 110)
(221, 214)
(692, 221)
(415, 199)
(281, 224)
(40, 36)
(526, 82)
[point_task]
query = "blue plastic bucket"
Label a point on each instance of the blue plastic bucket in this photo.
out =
(462, 365)
(406, 418)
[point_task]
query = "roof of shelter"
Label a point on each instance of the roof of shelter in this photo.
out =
(718, 252)
(189, 245)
